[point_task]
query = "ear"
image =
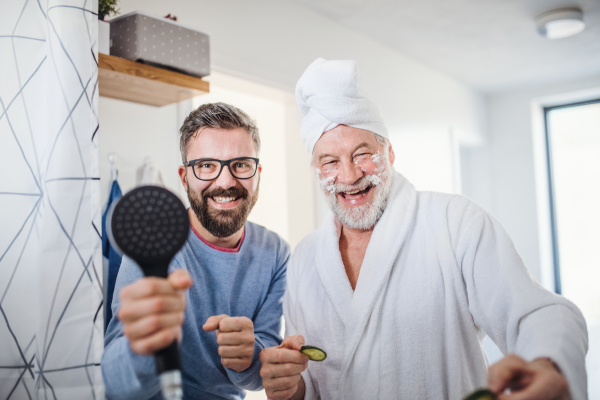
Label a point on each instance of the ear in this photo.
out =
(392, 155)
(183, 176)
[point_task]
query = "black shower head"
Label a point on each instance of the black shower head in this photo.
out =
(149, 225)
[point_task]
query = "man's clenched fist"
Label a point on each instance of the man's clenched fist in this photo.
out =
(152, 311)
(235, 336)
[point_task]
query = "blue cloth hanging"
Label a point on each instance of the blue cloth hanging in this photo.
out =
(114, 258)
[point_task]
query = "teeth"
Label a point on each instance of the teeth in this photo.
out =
(223, 199)
(356, 191)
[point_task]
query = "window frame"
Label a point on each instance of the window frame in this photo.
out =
(551, 194)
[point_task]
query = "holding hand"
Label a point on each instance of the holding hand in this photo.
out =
(539, 379)
(235, 336)
(152, 311)
(281, 368)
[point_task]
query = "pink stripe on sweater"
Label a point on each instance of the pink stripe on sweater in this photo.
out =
(219, 248)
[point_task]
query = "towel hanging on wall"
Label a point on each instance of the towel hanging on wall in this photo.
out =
(110, 254)
(149, 174)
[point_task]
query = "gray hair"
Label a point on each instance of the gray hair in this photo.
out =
(216, 116)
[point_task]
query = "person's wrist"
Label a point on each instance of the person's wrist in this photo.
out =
(547, 362)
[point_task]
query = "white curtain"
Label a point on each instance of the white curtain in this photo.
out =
(51, 312)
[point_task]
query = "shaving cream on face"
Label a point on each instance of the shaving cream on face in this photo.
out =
(327, 175)
(375, 169)
(327, 184)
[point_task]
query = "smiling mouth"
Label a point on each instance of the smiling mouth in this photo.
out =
(224, 200)
(356, 194)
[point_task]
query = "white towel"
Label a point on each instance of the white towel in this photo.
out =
(329, 94)
(149, 174)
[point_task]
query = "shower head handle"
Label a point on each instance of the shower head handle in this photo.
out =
(150, 225)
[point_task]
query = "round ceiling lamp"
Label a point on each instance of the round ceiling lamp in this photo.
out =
(561, 23)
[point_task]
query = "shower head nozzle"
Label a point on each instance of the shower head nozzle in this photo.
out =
(150, 225)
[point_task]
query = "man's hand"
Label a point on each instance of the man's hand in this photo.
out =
(281, 367)
(235, 336)
(539, 379)
(152, 311)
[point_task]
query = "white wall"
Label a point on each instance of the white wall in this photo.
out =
(273, 41)
(133, 132)
(507, 175)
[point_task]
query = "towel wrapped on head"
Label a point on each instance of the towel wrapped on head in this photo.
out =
(328, 94)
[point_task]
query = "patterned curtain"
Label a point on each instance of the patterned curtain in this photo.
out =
(51, 311)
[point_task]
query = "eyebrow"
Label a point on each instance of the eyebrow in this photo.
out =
(363, 144)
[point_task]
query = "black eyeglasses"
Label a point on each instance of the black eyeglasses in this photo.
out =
(209, 169)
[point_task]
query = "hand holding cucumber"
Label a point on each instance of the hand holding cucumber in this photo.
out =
(281, 368)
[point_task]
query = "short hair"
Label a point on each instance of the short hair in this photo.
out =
(216, 116)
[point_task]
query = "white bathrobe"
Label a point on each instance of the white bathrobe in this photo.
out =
(439, 274)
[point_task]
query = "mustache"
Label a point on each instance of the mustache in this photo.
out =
(231, 192)
(360, 185)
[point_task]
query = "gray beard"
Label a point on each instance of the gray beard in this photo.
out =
(366, 216)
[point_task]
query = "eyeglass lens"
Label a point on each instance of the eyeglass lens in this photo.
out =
(243, 168)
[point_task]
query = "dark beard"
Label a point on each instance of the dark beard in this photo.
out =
(222, 223)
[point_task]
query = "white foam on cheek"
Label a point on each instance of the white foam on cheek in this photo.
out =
(380, 171)
(326, 183)
(375, 179)
(378, 160)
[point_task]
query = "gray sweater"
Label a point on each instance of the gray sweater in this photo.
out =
(248, 283)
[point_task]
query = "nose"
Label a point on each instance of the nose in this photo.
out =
(225, 179)
(349, 172)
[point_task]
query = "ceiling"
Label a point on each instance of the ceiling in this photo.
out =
(491, 45)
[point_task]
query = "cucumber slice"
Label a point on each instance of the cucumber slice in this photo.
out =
(482, 394)
(313, 353)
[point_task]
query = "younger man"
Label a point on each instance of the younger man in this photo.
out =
(235, 272)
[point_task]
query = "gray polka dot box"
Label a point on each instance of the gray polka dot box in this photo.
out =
(161, 42)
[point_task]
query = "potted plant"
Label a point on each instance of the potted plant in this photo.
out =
(106, 8)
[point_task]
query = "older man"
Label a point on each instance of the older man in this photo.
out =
(400, 287)
(238, 271)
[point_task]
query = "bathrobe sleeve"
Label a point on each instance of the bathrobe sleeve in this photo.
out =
(289, 307)
(518, 314)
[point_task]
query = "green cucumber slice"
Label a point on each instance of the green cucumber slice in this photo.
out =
(482, 394)
(313, 353)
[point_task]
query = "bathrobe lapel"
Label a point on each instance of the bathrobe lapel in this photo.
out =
(388, 236)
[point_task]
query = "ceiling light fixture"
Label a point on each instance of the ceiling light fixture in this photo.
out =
(560, 23)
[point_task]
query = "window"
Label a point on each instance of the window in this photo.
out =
(573, 145)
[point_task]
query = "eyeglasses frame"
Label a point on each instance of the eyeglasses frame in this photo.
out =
(191, 163)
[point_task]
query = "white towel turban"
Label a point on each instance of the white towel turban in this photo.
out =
(328, 94)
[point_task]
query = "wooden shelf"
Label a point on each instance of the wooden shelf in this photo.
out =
(140, 83)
